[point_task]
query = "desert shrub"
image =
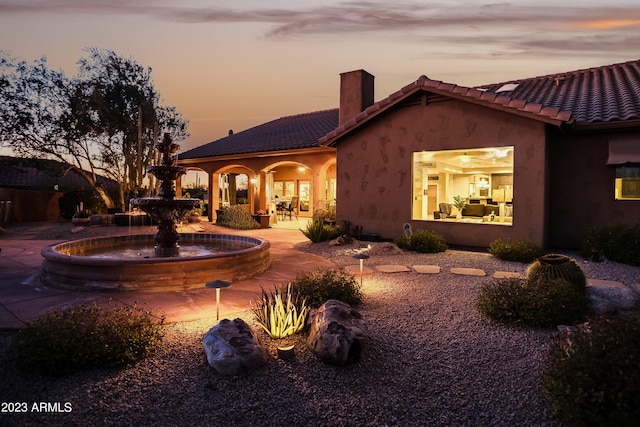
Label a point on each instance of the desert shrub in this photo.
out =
(515, 250)
(319, 286)
(318, 231)
(236, 217)
(553, 302)
(557, 266)
(616, 242)
(501, 299)
(85, 337)
(546, 303)
(597, 381)
(423, 241)
(281, 313)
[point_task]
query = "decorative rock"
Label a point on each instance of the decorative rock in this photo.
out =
(337, 333)
(76, 230)
(609, 297)
(341, 241)
(232, 348)
(385, 248)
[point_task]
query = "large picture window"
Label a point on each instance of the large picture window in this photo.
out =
(627, 183)
(473, 185)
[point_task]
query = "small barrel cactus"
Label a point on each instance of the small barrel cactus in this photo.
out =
(556, 266)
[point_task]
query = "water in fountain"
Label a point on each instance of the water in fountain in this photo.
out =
(166, 209)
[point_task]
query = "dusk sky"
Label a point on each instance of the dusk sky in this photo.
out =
(236, 64)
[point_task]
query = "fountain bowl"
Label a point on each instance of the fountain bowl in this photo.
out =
(65, 266)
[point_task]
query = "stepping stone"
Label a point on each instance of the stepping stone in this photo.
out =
(392, 268)
(508, 275)
(468, 271)
(426, 269)
(596, 282)
(355, 270)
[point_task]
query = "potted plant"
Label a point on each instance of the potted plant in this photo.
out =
(262, 218)
(194, 215)
(459, 202)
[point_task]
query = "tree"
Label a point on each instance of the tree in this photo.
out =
(103, 121)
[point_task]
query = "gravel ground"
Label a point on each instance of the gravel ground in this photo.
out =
(430, 359)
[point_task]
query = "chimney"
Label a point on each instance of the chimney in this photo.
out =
(356, 93)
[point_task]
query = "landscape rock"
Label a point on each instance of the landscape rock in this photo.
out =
(341, 241)
(385, 248)
(233, 349)
(610, 299)
(337, 333)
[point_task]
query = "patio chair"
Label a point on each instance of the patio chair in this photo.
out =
(292, 208)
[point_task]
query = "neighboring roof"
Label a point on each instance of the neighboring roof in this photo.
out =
(286, 133)
(41, 175)
(604, 94)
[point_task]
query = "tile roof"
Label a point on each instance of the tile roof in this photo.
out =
(286, 133)
(41, 175)
(603, 94)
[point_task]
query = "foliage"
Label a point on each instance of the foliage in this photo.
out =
(423, 241)
(71, 200)
(279, 317)
(236, 217)
(544, 303)
(318, 231)
(104, 120)
(459, 202)
(552, 266)
(85, 337)
(616, 242)
(319, 286)
(515, 250)
(324, 211)
(597, 381)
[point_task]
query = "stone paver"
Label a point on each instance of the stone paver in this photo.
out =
(468, 271)
(392, 268)
(426, 269)
(355, 270)
(508, 275)
(597, 282)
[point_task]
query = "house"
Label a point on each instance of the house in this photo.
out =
(31, 188)
(539, 159)
(275, 161)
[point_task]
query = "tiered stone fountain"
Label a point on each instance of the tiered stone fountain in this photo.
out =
(179, 261)
(165, 209)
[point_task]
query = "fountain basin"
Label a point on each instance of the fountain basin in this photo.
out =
(66, 267)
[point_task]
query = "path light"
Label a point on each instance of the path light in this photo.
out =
(217, 285)
(361, 256)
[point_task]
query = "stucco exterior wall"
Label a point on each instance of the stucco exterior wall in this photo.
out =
(582, 189)
(374, 169)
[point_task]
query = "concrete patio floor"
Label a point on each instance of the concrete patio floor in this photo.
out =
(23, 298)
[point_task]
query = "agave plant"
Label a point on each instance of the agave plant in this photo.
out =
(280, 315)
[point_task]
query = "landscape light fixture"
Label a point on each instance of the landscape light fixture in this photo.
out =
(217, 285)
(361, 256)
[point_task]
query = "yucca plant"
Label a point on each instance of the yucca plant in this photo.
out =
(280, 315)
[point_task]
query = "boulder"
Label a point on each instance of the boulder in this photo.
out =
(385, 248)
(233, 349)
(611, 299)
(337, 333)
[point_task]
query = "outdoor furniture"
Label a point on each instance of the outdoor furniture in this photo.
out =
(292, 208)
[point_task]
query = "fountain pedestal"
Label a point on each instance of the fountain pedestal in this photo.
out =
(165, 209)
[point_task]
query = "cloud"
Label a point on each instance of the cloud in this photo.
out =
(507, 27)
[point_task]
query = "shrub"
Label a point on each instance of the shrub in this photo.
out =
(423, 241)
(319, 286)
(85, 337)
(318, 231)
(557, 266)
(70, 201)
(616, 242)
(597, 381)
(279, 317)
(515, 250)
(546, 303)
(502, 299)
(237, 218)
